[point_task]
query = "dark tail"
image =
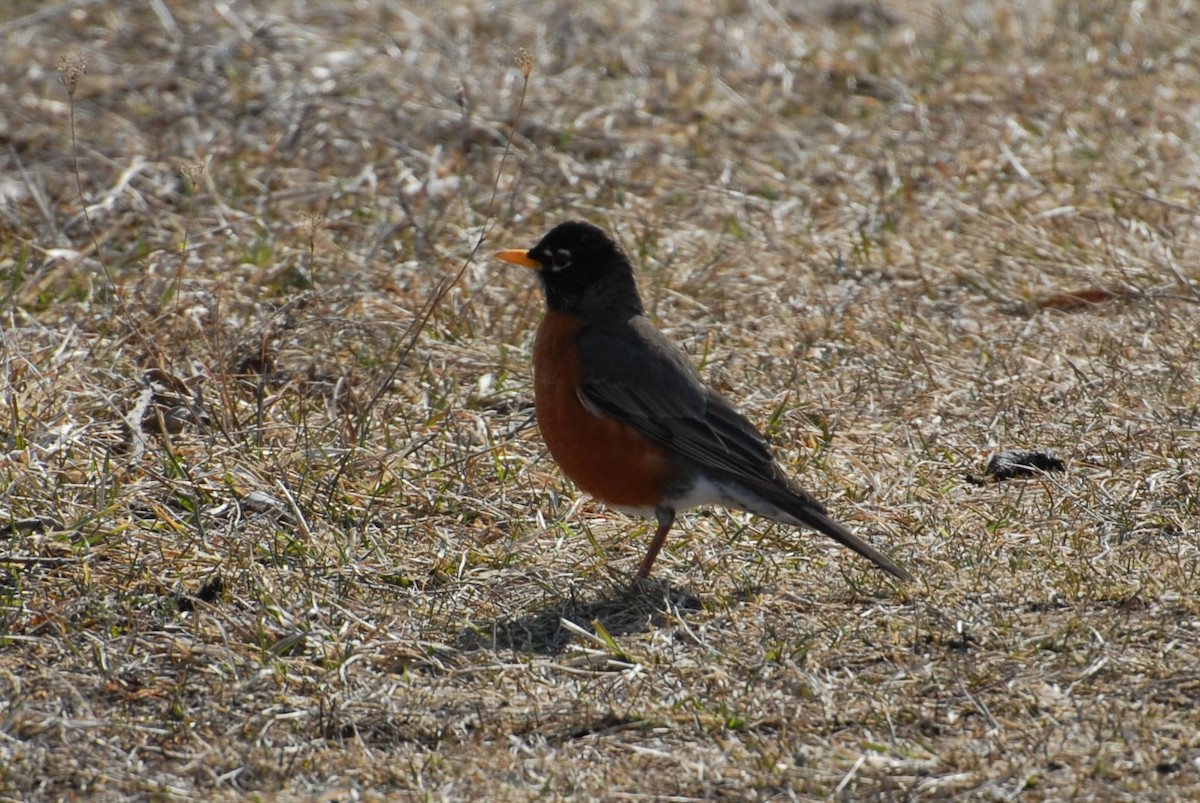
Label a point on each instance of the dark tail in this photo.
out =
(810, 513)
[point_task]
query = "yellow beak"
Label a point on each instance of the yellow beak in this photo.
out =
(519, 256)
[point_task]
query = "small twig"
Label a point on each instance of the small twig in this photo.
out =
(15, 560)
(70, 70)
(409, 338)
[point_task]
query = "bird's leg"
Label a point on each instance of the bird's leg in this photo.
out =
(666, 517)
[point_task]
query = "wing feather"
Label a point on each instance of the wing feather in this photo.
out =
(657, 392)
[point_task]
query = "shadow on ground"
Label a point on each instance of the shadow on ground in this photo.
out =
(633, 608)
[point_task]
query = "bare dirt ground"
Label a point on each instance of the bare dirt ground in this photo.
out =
(275, 517)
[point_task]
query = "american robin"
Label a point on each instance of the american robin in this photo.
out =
(626, 416)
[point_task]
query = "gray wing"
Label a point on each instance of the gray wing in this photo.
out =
(656, 391)
(637, 376)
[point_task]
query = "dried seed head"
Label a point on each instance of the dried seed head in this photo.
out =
(524, 62)
(311, 224)
(69, 70)
(192, 171)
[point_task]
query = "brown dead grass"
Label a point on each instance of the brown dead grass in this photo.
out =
(264, 529)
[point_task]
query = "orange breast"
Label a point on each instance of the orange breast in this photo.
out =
(604, 457)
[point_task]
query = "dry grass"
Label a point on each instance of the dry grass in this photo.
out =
(266, 527)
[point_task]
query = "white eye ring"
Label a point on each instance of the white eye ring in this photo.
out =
(562, 259)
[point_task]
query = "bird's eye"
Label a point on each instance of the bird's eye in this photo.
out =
(562, 259)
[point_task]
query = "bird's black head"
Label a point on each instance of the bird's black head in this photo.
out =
(581, 269)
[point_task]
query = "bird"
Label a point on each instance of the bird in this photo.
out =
(627, 417)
